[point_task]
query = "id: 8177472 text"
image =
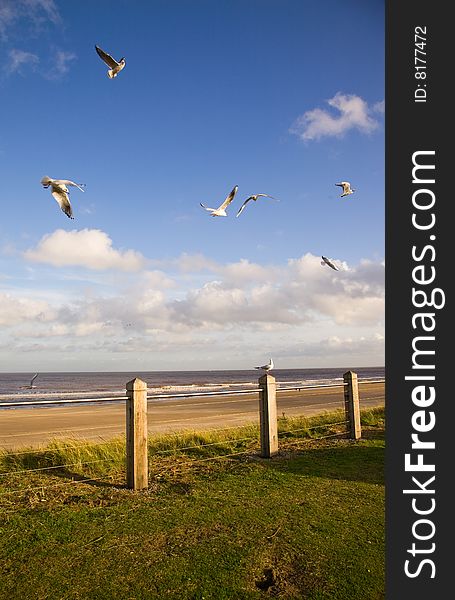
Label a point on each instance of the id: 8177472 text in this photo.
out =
(420, 63)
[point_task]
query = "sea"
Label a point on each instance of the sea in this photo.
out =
(16, 387)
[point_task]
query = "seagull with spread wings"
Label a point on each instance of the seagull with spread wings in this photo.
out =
(327, 261)
(254, 197)
(346, 188)
(114, 66)
(221, 210)
(31, 386)
(60, 192)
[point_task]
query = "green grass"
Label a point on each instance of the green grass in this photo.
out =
(307, 524)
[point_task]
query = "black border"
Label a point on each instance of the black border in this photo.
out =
(411, 127)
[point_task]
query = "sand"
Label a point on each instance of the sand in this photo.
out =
(35, 427)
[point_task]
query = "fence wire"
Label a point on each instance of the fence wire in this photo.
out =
(39, 450)
(175, 450)
(197, 446)
(322, 437)
(325, 425)
(168, 451)
(338, 402)
(76, 464)
(53, 485)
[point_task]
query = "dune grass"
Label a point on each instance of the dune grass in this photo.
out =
(307, 524)
(99, 458)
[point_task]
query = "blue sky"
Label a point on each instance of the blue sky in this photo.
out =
(284, 97)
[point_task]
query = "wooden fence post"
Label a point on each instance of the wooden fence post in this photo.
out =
(268, 416)
(351, 404)
(136, 435)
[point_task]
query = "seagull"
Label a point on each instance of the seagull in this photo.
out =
(346, 188)
(115, 67)
(61, 193)
(327, 261)
(221, 210)
(31, 386)
(254, 197)
(268, 367)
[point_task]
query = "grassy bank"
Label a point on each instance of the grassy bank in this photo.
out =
(216, 522)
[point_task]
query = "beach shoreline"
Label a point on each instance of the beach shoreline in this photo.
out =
(36, 427)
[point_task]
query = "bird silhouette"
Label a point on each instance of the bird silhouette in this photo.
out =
(60, 192)
(346, 188)
(268, 367)
(327, 261)
(114, 66)
(221, 210)
(254, 197)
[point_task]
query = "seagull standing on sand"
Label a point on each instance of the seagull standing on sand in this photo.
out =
(268, 367)
(346, 188)
(254, 197)
(221, 210)
(114, 66)
(61, 193)
(327, 261)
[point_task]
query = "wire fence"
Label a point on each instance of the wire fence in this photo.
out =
(223, 448)
(177, 452)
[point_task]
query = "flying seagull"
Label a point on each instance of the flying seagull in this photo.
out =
(268, 367)
(61, 193)
(114, 66)
(254, 197)
(31, 386)
(221, 210)
(327, 261)
(346, 188)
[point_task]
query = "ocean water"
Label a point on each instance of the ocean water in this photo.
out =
(15, 386)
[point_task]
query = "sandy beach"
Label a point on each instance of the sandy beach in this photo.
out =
(35, 427)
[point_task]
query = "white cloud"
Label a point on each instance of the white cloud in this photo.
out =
(341, 349)
(35, 11)
(296, 309)
(15, 310)
(233, 273)
(89, 248)
(352, 112)
(345, 309)
(188, 263)
(57, 66)
(240, 294)
(244, 272)
(251, 296)
(157, 280)
(27, 20)
(61, 64)
(19, 59)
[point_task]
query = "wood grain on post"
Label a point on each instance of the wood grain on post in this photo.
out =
(351, 404)
(136, 435)
(268, 416)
